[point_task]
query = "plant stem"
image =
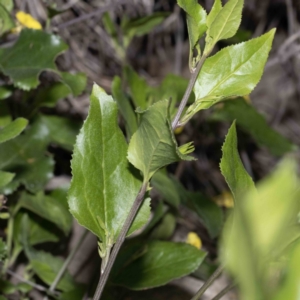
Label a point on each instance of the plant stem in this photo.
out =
(208, 283)
(188, 91)
(66, 264)
(133, 211)
(224, 291)
(34, 285)
(10, 231)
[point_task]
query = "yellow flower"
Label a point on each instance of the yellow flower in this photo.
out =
(26, 20)
(194, 240)
(225, 199)
(178, 130)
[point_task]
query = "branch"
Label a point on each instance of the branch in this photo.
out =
(133, 211)
(188, 91)
(224, 292)
(208, 283)
(66, 264)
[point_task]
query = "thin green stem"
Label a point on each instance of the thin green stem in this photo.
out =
(188, 91)
(10, 231)
(20, 278)
(208, 283)
(121, 238)
(64, 267)
(224, 291)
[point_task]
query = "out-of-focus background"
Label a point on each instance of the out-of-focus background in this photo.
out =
(165, 50)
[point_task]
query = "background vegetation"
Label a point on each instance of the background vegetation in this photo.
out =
(49, 61)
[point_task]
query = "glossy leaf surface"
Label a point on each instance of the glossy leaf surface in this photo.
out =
(196, 23)
(103, 186)
(217, 6)
(13, 129)
(153, 146)
(223, 23)
(155, 263)
(232, 168)
(34, 52)
(233, 71)
(251, 121)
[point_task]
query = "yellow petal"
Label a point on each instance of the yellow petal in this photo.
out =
(194, 240)
(225, 199)
(178, 130)
(26, 20)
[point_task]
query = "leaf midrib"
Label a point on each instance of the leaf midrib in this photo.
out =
(234, 71)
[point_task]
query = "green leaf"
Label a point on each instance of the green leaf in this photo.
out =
(157, 264)
(70, 84)
(217, 7)
(62, 131)
(138, 87)
(5, 115)
(196, 24)
(6, 178)
(257, 227)
(112, 30)
(290, 287)
(156, 217)
(48, 208)
(141, 26)
(33, 53)
(46, 267)
(103, 186)
(234, 71)
(75, 82)
(223, 23)
(167, 90)
(75, 294)
(3, 250)
(153, 146)
(5, 92)
(39, 231)
(208, 211)
(251, 121)
(165, 229)
(6, 22)
(8, 288)
(25, 156)
(124, 106)
(13, 129)
(8, 4)
(166, 187)
(237, 178)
